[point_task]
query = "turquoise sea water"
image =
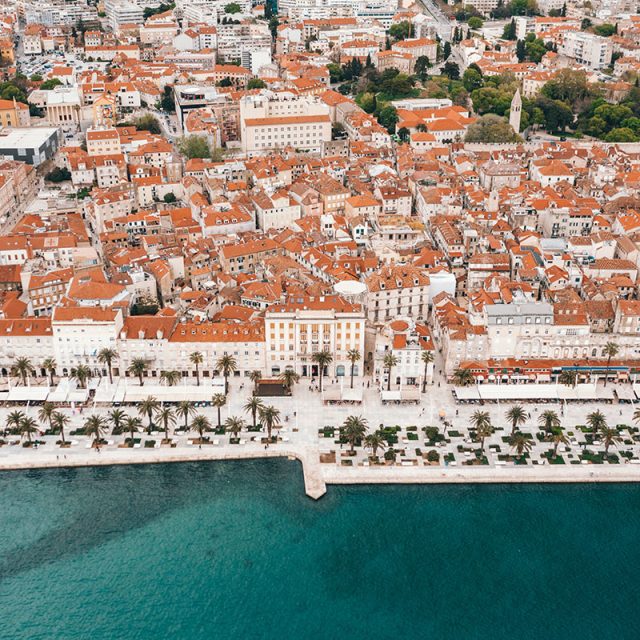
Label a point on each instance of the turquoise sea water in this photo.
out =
(235, 550)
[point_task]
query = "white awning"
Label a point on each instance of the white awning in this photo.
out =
(28, 394)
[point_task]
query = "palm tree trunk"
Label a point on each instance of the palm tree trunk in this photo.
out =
(321, 376)
(606, 375)
(353, 444)
(352, 365)
(424, 380)
(481, 447)
(219, 423)
(140, 378)
(110, 375)
(132, 437)
(197, 376)
(51, 377)
(62, 435)
(389, 381)
(555, 451)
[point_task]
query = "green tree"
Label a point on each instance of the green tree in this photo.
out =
(597, 422)
(323, 359)
(171, 378)
(117, 418)
(60, 421)
(218, 401)
(253, 406)
(45, 414)
(59, 174)
(186, 410)
(621, 134)
(549, 421)
(255, 376)
(557, 437)
(463, 377)
(472, 80)
(227, 364)
(400, 30)
(388, 118)
(481, 422)
(194, 146)
(256, 83)
(49, 365)
(15, 418)
(106, 356)
(201, 424)
(232, 7)
(605, 30)
(138, 368)
(28, 426)
(451, 70)
(167, 418)
(196, 358)
(509, 31)
(234, 425)
(132, 424)
(147, 408)
(23, 368)
(568, 378)
(446, 50)
(491, 128)
(475, 22)
(517, 416)
(353, 356)
(557, 115)
(147, 122)
(610, 350)
(374, 441)
(167, 101)
(427, 358)
(421, 67)
(521, 442)
(354, 430)
(270, 418)
(521, 50)
(81, 374)
(52, 83)
(570, 86)
(389, 362)
(289, 377)
(610, 437)
(94, 426)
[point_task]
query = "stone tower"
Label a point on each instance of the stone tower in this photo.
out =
(515, 113)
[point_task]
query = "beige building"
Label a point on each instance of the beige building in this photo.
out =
(296, 330)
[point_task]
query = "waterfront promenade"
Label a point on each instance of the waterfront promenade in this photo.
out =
(309, 433)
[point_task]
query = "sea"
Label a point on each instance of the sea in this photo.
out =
(235, 550)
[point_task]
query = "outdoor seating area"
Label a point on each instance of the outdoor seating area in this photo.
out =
(538, 392)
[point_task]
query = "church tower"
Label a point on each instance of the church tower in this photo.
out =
(515, 113)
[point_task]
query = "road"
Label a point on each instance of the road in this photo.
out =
(443, 24)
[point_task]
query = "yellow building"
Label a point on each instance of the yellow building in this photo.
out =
(7, 52)
(13, 114)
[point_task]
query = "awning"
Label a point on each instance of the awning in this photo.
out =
(28, 394)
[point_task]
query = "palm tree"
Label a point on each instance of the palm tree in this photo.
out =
(521, 442)
(597, 422)
(353, 355)
(14, 420)
(197, 359)
(166, 417)
(60, 421)
(374, 441)
(389, 362)
(270, 417)
(22, 367)
(610, 350)
(427, 358)
(517, 416)
(463, 377)
(107, 356)
(201, 424)
(610, 437)
(482, 423)
(147, 408)
(568, 377)
(186, 410)
(227, 364)
(253, 406)
(28, 426)
(289, 377)
(132, 424)
(557, 437)
(94, 426)
(117, 418)
(234, 425)
(353, 429)
(49, 365)
(81, 374)
(218, 401)
(549, 421)
(137, 368)
(323, 359)
(45, 414)
(170, 377)
(255, 376)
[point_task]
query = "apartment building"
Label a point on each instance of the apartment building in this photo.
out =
(306, 325)
(587, 49)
